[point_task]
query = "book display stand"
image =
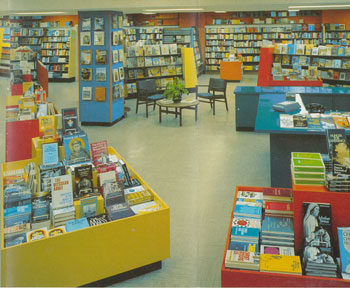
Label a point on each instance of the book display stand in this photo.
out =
(113, 248)
(340, 218)
(265, 76)
(101, 72)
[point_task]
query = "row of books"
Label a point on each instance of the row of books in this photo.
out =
(56, 39)
(153, 61)
(249, 29)
(326, 121)
(55, 45)
(31, 41)
(309, 49)
(56, 33)
(57, 67)
(152, 50)
(55, 52)
(54, 59)
(154, 72)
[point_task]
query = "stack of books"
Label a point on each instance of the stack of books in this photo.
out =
(343, 237)
(243, 251)
(62, 207)
(308, 169)
(278, 231)
(286, 264)
(318, 256)
(17, 211)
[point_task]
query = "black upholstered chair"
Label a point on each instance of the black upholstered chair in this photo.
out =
(216, 93)
(147, 94)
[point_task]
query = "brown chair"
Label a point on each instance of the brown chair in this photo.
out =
(147, 94)
(216, 93)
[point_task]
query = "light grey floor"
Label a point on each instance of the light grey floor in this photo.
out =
(193, 168)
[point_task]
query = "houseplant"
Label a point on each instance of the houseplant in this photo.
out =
(174, 90)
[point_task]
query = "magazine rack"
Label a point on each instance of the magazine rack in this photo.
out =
(91, 254)
(340, 218)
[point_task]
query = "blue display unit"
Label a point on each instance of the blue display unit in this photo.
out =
(101, 72)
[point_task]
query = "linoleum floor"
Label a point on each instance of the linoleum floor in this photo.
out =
(193, 168)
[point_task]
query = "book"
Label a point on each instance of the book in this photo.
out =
(100, 94)
(118, 211)
(278, 194)
(272, 225)
(47, 126)
(77, 224)
(251, 195)
(334, 137)
(275, 208)
(98, 220)
(340, 122)
(276, 250)
(83, 180)
(314, 123)
(243, 246)
(89, 207)
(286, 121)
(146, 207)
(300, 121)
(40, 207)
(37, 234)
(99, 152)
(327, 123)
(247, 211)
(76, 148)
(239, 233)
(56, 231)
(69, 120)
(46, 173)
(50, 154)
(62, 191)
(15, 240)
(344, 248)
(242, 260)
(280, 264)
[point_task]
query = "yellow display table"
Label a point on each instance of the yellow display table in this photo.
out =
(91, 254)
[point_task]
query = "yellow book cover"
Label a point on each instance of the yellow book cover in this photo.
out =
(100, 94)
(280, 264)
(47, 127)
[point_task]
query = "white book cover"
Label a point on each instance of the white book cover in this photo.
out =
(250, 195)
(246, 222)
(62, 191)
(286, 121)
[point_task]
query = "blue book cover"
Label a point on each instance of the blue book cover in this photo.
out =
(291, 49)
(245, 233)
(344, 248)
(243, 246)
(77, 224)
(76, 148)
(277, 225)
(247, 211)
(50, 153)
(314, 123)
(340, 51)
(17, 210)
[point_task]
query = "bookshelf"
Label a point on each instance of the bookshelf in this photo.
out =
(101, 58)
(58, 54)
(187, 38)
(329, 63)
(150, 35)
(5, 51)
(160, 62)
(246, 39)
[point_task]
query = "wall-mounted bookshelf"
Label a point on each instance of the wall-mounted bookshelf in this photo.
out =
(160, 62)
(5, 47)
(150, 35)
(58, 54)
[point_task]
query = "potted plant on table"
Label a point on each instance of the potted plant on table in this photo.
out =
(174, 90)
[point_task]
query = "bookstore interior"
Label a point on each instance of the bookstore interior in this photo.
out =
(249, 192)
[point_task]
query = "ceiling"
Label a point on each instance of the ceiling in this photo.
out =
(138, 6)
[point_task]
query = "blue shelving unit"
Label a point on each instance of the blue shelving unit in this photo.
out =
(101, 35)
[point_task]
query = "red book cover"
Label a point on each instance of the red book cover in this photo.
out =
(99, 152)
(278, 207)
(279, 192)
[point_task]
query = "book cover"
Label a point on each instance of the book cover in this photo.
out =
(77, 224)
(37, 234)
(276, 250)
(100, 94)
(15, 239)
(286, 121)
(69, 119)
(245, 234)
(56, 231)
(280, 264)
(246, 222)
(314, 123)
(242, 260)
(76, 148)
(250, 195)
(89, 207)
(278, 194)
(83, 180)
(247, 211)
(279, 208)
(40, 206)
(278, 225)
(97, 220)
(344, 248)
(334, 136)
(99, 152)
(327, 123)
(113, 193)
(341, 158)
(118, 211)
(317, 223)
(47, 127)
(46, 173)
(243, 246)
(50, 153)
(62, 191)
(300, 121)
(340, 122)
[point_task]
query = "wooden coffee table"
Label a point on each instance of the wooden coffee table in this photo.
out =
(176, 109)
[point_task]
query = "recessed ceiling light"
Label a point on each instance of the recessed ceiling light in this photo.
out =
(293, 10)
(173, 9)
(38, 13)
(220, 11)
(148, 13)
